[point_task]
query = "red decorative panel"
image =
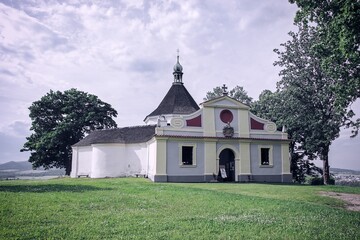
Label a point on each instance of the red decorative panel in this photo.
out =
(195, 122)
(226, 116)
(256, 125)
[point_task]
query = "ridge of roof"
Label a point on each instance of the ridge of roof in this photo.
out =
(132, 134)
(177, 101)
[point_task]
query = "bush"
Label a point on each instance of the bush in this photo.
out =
(315, 180)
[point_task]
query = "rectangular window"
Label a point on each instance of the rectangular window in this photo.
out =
(265, 158)
(187, 155)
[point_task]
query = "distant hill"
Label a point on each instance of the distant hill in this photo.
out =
(20, 166)
(24, 169)
(344, 171)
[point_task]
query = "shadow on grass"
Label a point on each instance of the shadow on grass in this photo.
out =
(50, 188)
(257, 183)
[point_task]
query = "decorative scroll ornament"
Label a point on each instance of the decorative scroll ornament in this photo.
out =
(177, 122)
(228, 131)
(270, 127)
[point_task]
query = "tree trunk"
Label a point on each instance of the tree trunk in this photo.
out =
(326, 168)
(68, 167)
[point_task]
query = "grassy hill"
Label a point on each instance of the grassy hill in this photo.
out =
(135, 208)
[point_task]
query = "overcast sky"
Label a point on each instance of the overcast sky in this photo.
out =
(124, 51)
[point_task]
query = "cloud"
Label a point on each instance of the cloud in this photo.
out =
(10, 149)
(18, 129)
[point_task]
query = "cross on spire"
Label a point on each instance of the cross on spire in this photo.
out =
(178, 71)
(224, 88)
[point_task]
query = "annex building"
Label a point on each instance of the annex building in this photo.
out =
(184, 142)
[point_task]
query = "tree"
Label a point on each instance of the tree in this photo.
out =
(60, 120)
(237, 93)
(310, 95)
(275, 107)
(337, 25)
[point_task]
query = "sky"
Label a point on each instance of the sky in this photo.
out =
(124, 51)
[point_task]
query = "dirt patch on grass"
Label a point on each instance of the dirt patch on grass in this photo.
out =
(352, 200)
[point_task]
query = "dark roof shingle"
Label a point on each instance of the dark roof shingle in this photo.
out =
(177, 101)
(137, 134)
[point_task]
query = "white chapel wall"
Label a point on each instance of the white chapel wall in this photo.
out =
(136, 158)
(118, 160)
(74, 161)
(84, 160)
(151, 168)
(107, 160)
(81, 161)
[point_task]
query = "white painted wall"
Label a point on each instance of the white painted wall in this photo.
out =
(110, 160)
(152, 160)
(107, 160)
(84, 161)
(136, 158)
(81, 161)
(74, 162)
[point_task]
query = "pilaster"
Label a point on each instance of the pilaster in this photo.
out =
(209, 122)
(285, 158)
(243, 122)
(210, 157)
(161, 156)
(245, 167)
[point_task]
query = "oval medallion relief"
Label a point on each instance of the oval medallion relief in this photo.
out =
(177, 122)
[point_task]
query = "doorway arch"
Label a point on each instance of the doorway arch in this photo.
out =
(227, 164)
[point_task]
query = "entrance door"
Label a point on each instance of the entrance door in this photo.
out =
(227, 161)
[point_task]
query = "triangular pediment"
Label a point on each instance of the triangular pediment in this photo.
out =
(225, 102)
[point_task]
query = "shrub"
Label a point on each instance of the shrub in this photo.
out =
(316, 180)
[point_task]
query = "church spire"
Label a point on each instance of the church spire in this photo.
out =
(178, 71)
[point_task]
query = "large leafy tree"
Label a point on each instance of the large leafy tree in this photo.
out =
(338, 43)
(237, 93)
(61, 119)
(275, 106)
(310, 95)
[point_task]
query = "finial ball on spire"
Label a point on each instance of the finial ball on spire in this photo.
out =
(178, 67)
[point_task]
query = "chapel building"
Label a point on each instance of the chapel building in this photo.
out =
(181, 142)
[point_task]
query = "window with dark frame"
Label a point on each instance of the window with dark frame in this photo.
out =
(187, 155)
(265, 156)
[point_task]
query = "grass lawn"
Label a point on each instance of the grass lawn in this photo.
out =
(135, 208)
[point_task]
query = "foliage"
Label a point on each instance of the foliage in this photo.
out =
(353, 183)
(316, 180)
(130, 208)
(309, 95)
(61, 119)
(274, 107)
(338, 46)
(237, 93)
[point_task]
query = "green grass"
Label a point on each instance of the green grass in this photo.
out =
(130, 208)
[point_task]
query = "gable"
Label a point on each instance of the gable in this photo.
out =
(225, 102)
(260, 124)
